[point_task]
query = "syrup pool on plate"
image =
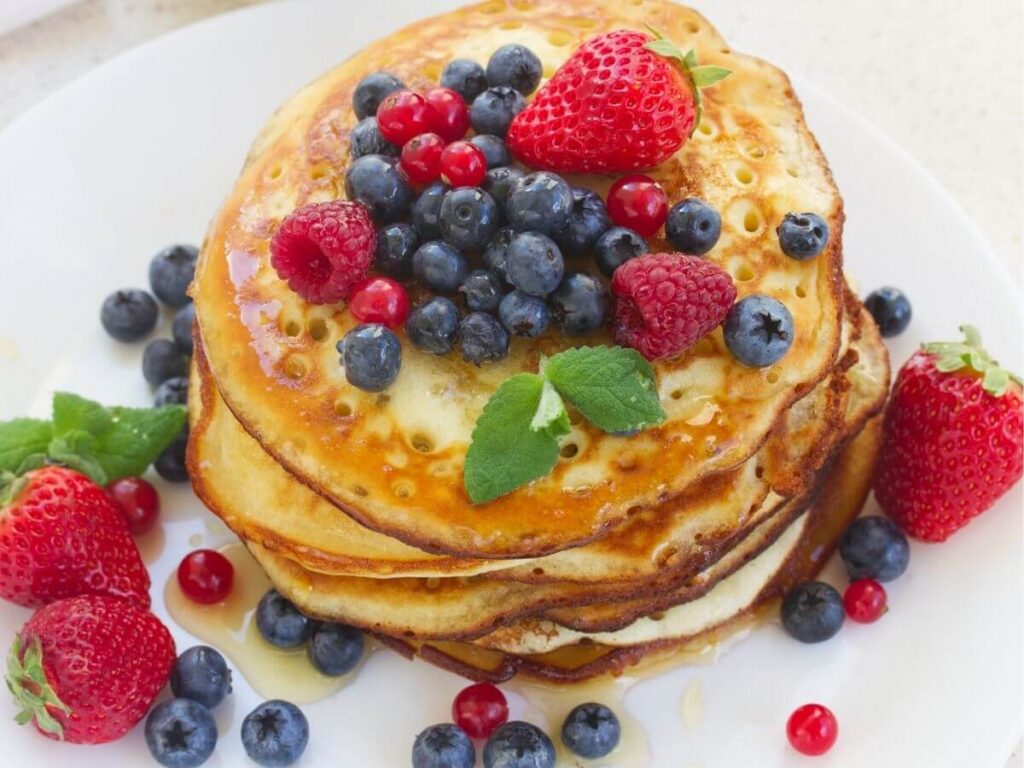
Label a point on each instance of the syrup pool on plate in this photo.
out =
(230, 627)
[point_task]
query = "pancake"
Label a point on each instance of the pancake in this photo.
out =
(393, 462)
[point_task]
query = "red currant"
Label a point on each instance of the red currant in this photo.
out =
(479, 709)
(865, 601)
(403, 115)
(452, 116)
(421, 158)
(138, 502)
(379, 300)
(638, 203)
(463, 165)
(206, 576)
(812, 729)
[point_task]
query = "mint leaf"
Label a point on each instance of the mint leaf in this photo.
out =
(551, 416)
(77, 450)
(21, 438)
(71, 413)
(135, 438)
(506, 452)
(612, 386)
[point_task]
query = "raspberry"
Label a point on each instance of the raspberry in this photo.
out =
(666, 302)
(323, 249)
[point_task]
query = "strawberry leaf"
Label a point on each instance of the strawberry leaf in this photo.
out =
(969, 354)
(708, 74)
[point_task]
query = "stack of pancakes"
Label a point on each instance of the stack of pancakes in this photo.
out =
(353, 502)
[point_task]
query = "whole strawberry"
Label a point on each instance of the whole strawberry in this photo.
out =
(623, 101)
(87, 669)
(953, 441)
(62, 536)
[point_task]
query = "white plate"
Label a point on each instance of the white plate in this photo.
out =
(139, 154)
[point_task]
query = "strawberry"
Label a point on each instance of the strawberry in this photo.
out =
(87, 669)
(622, 102)
(953, 438)
(61, 536)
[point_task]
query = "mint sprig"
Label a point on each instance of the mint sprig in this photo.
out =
(103, 443)
(516, 437)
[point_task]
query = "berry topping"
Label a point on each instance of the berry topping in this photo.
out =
(758, 331)
(463, 164)
(812, 729)
(638, 203)
(874, 547)
(693, 226)
(443, 746)
(865, 601)
(515, 66)
(890, 308)
(170, 273)
(181, 733)
(541, 202)
(617, 246)
(451, 120)
(803, 236)
(161, 360)
(534, 263)
(405, 114)
(206, 576)
(379, 300)
(181, 328)
(499, 183)
(366, 139)
(371, 356)
(280, 623)
(469, 218)
(129, 315)
(580, 304)
(494, 149)
(172, 392)
(434, 326)
(396, 243)
(171, 464)
(667, 302)
(372, 90)
(335, 649)
(519, 745)
(953, 437)
(465, 77)
(439, 266)
(138, 502)
(323, 249)
(493, 110)
(496, 252)
(426, 211)
(275, 734)
(483, 290)
(479, 709)
(812, 612)
(481, 338)
(591, 730)
(201, 674)
(587, 222)
(523, 314)
(421, 158)
(376, 182)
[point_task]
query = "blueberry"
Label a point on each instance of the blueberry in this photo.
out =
(519, 745)
(891, 309)
(275, 734)
(469, 218)
(396, 244)
(180, 733)
(580, 304)
(482, 290)
(201, 674)
(170, 273)
(129, 314)
(874, 547)
(494, 149)
(496, 252)
(541, 202)
(366, 139)
(693, 226)
(802, 236)
(281, 623)
(372, 90)
(426, 211)
(499, 183)
(617, 246)
(523, 314)
(434, 326)
(812, 612)
(172, 392)
(181, 327)
(515, 66)
(443, 746)
(591, 730)
(170, 464)
(161, 360)
(492, 111)
(375, 181)
(465, 77)
(335, 649)
(372, 356)
(439, 266)
(758, 330)
(587, 222)
(534, 263)
(482, 338)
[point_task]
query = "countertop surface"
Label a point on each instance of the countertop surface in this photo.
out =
(942, 79)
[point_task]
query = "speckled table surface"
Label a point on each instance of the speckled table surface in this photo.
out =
(941, 78)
